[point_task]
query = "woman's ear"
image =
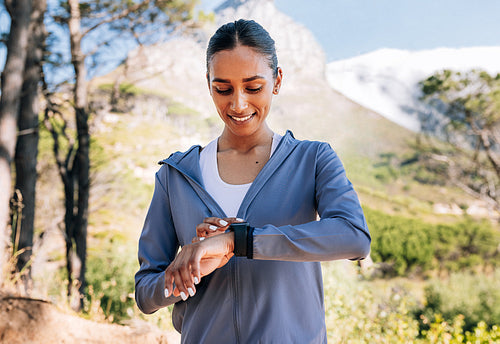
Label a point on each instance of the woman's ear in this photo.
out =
(277, 81)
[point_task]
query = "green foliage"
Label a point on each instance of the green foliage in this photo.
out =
(355, 314)
(452, 332)
(407, 245)
(360, 311)
(475, 297)
(468, 118)
(471, 98)
(124, 88)
(110, 271)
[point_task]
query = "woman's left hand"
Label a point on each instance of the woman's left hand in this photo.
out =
(195, 261)
(214, 226)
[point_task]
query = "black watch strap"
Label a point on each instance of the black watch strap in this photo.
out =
(243, 239)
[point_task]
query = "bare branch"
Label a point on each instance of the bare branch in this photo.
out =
(120, 15)
(489, 153)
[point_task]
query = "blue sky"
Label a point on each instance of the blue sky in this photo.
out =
(347, 28)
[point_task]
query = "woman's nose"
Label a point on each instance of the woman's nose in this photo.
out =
(238, 102)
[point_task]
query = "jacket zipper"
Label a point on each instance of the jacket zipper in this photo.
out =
(236, 304)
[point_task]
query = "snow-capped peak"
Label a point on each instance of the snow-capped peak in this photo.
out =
(386, 80)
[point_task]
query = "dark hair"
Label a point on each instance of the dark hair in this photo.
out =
(246, 33)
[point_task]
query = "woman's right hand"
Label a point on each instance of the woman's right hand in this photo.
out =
(213, 226)
(195, 261)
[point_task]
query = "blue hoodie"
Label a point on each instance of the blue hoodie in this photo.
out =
(276, 297)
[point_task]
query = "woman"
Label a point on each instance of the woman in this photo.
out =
(255, 195)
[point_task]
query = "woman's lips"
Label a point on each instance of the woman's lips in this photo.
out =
(242, 118)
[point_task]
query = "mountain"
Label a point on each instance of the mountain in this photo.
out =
(386, 80)
(306, 104)
(170, 84)
(298, 51)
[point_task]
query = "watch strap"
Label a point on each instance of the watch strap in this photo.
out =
(243, 239)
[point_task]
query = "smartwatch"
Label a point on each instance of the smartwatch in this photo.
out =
(243, 239)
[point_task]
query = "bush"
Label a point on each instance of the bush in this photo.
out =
(382, 311)
(355, 314)
(110, 278)
(375, 312)
(407, 245)
(475, 297)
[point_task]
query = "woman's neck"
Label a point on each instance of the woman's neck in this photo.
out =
(244, 144)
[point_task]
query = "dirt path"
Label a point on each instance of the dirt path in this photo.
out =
(32, 321)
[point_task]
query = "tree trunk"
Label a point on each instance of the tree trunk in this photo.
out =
(12, 81)
(27, 141)
(82, 154)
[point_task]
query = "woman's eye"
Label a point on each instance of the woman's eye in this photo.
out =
(223, 91)
(254, 90)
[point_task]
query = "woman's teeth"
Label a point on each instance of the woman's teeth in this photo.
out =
(241, 119)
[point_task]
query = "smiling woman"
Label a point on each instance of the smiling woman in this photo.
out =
(244, 210)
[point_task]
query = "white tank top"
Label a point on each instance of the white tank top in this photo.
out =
(228, 196)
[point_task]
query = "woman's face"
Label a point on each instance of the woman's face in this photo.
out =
(242, 85)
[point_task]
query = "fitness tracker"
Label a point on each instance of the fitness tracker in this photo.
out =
(243, 239)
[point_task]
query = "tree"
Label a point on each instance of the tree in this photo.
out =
(12, 82)
(98, 23)
(27, 143)
(468, 118)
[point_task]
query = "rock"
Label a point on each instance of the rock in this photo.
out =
(299, 54)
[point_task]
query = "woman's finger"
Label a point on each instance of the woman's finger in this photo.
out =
(180, 286)
(214, 225)
(216, 221)
(205, 229)
(231, 220)
(197, 239)
(169, 279)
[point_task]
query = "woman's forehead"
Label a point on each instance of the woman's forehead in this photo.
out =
(239, 63)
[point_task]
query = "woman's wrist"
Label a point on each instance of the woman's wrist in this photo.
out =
(230, 241)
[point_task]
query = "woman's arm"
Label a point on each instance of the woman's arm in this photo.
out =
(158, 245)
(341, 232)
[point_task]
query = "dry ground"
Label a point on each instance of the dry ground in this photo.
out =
(33, 321)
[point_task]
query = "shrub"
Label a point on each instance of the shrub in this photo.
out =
(380, 312)
(475, 297)
(110, 278)
(410, 245)
(355, 314)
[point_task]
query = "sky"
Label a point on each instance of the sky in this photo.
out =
(348, 28)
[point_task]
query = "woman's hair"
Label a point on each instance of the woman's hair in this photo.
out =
(246, 33)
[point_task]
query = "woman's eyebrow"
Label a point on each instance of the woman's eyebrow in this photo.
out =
(255, 77)
(225, 81)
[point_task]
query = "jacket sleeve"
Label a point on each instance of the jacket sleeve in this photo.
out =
(341, 232)
(158, 245)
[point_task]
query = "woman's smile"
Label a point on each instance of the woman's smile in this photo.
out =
(242, 119)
